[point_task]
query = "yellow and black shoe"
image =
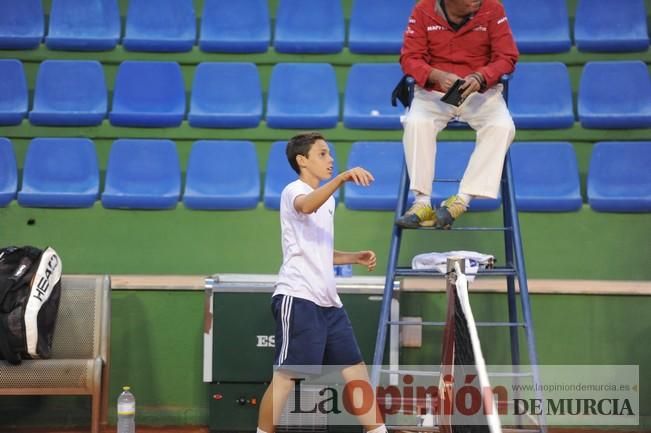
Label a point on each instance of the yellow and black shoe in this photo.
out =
(419, 215)
(451, 209)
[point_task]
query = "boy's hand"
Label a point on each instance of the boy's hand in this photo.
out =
(357, 175)
(366, 258)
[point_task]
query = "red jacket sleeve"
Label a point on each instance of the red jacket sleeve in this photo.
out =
(414, 57)
(504, 52)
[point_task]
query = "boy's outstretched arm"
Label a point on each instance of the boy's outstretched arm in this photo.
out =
(309, 203)
(364, 258)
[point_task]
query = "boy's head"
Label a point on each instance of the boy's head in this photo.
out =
(299, 146)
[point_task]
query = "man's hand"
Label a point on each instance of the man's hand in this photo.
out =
(445, 79)
(472, 83)
(358, 175)
(366, 258)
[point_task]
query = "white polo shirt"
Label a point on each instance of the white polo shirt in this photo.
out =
(308, 248)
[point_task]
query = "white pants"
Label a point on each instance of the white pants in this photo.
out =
(485, 112)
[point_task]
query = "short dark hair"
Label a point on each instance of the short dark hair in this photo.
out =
(300, 145)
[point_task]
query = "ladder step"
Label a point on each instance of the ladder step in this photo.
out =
(403, 372)
(486, 324)
(496, 271)
(464, 229)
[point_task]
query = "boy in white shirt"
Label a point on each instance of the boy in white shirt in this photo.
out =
(312, 327)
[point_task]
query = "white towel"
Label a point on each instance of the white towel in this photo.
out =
(438, 261)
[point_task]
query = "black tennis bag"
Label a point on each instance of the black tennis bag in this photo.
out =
(30, 290)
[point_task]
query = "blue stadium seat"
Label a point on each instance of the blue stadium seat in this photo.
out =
(615, 95)
(22, 24)
(619, 178)
(367, 104)
(60, 172)
(546, 177)
(384, 160)
(83, 25)
(148, 94)
(303, 96)
(13, 92)
(316, 26)
(279, 174)
(142, 174)
(69, 92)
(226, 95)
(539, 26)
(222, 175)
(235, 26)
(8, 172)
(160, 26)
(601, 25)
(540, 96)
(451, 161)
(377, 26)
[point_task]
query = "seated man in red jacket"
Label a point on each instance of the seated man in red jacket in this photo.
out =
(448, 40)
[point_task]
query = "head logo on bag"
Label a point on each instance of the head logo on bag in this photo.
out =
(30, 290)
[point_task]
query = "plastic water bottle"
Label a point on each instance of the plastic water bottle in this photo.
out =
(428, 419)
(343, 270)
(126, 411)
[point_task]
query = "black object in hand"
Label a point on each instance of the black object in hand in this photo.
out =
(453, 95)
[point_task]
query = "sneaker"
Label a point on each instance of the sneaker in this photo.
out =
(450, 210)
(419, 215)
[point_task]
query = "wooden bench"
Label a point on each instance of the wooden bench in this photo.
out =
(80, 350)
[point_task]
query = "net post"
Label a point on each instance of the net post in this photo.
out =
(452, 260)
(446, 383)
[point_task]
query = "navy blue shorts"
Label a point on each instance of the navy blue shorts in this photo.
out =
(307, 334)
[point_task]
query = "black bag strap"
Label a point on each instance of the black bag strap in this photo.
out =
(403, 92)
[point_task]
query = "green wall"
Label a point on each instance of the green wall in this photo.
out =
(157, 337)
(576, 245)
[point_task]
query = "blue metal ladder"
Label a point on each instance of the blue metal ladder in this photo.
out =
(513, 269)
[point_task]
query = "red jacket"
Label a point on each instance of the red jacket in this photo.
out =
(484, 44)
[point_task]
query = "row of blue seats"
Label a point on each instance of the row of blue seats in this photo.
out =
(303, 95)
(599, 25)
(376, 26)
(146, 174)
